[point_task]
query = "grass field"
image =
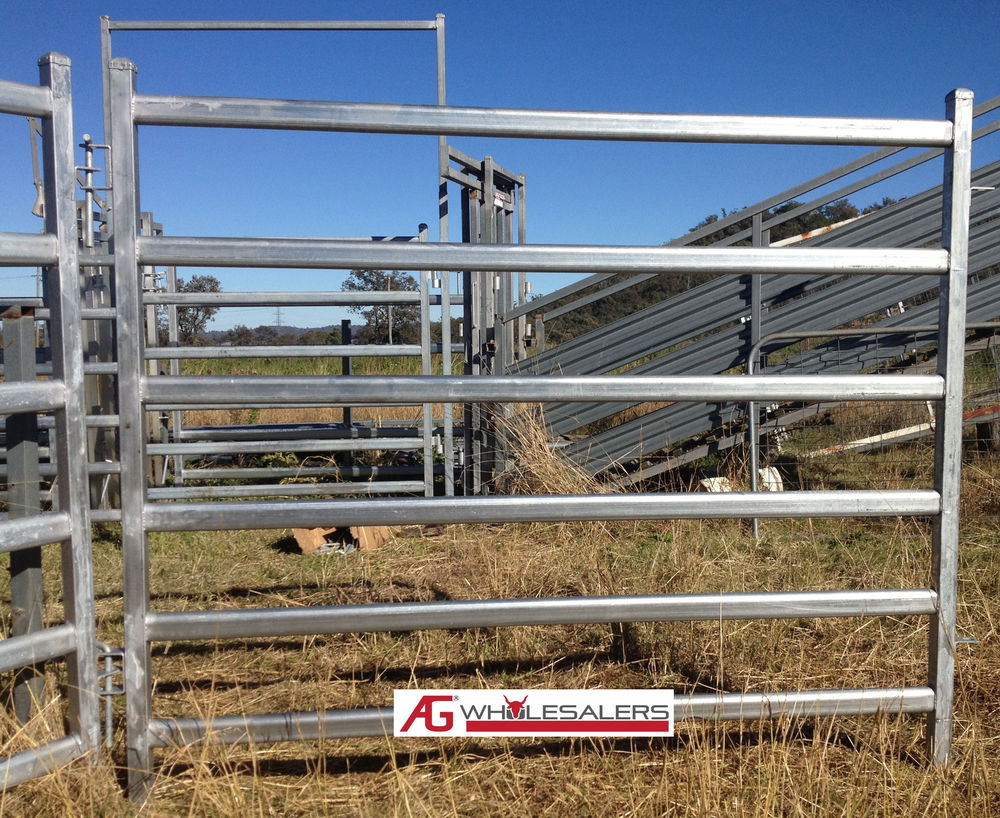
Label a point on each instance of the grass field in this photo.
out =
(851, 766)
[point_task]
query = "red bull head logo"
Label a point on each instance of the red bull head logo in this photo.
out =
(515, 706)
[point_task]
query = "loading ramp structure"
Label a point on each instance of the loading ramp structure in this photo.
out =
(715, 327)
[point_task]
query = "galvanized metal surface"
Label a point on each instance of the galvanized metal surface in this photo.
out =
(948, 442)
(62, 294)
(536, 508)
(37, 647)
(41, 396)
(41, 760)
(406, 390)
(319, 253)
(27, 249)
(369, 117)
(138, 392)
(247, 623)
(377, 721)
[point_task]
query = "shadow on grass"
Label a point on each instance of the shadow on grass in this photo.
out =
(766, 733)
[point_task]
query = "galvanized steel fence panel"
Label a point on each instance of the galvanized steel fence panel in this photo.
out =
(141, 516)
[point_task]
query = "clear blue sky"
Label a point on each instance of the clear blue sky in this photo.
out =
(890, 59)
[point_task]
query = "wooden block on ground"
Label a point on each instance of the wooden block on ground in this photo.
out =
(310, 540)
(369, 537)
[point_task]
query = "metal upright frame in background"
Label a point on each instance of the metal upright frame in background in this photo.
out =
(493, 212)
(425, 300)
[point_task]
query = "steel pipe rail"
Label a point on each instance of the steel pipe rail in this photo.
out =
(39, 761)
(37, 647)
(25, 100)
(537, 508)
(33, 396)
(288, 299)
(433, 120)
(27, 250)
(288, 351)
(367, 444)
(377, 721)
(356, 472)
(407, 390)
(251, 623)
(287, 490)
(322, 253)
(39, 529)
(293, 431)
(271, 25)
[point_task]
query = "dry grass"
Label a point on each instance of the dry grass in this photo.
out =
(810, 767)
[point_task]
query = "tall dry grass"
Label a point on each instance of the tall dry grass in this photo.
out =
(849, 766)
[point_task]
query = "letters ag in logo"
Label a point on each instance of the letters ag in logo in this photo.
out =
(422, 714)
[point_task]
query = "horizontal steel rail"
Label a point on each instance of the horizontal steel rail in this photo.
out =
(27, 249)
(288, 351)
(377, 721)
(537, 508)
(251, 623)
(433, 120)
(343, 472)
(38, 761)
(25, 100)
(37, 647)
(39, 529)
(51, 470)
(320, 253)
(409, 389)
(271, 25)
(288, 299)
(540, 304)
(287, 489)
(368, 444)
(287, 431)
(34, 396)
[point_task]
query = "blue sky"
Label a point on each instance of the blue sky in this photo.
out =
(891, 59)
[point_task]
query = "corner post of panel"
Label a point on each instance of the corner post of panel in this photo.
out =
(957, 194)
(128, 300)
(62, 294)
(106, 82)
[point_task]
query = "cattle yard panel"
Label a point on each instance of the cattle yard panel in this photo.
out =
(129, 110)
(26, 528)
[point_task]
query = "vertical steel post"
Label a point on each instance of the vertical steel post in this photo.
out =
(957, 195)
(446, 364)
(135, 554)
(473, 358)
(345, 365)
(23, 500)
(425, 369)
(488, 324)
(522, 277)
(757, 235)
(173, 340)
(62, 295)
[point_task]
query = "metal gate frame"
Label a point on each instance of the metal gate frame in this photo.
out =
(56, 250)
(140, 517)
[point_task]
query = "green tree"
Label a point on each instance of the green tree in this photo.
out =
(192, 321)
(385, 323)
(240, 335)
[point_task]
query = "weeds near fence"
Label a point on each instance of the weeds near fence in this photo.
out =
(819, 767)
